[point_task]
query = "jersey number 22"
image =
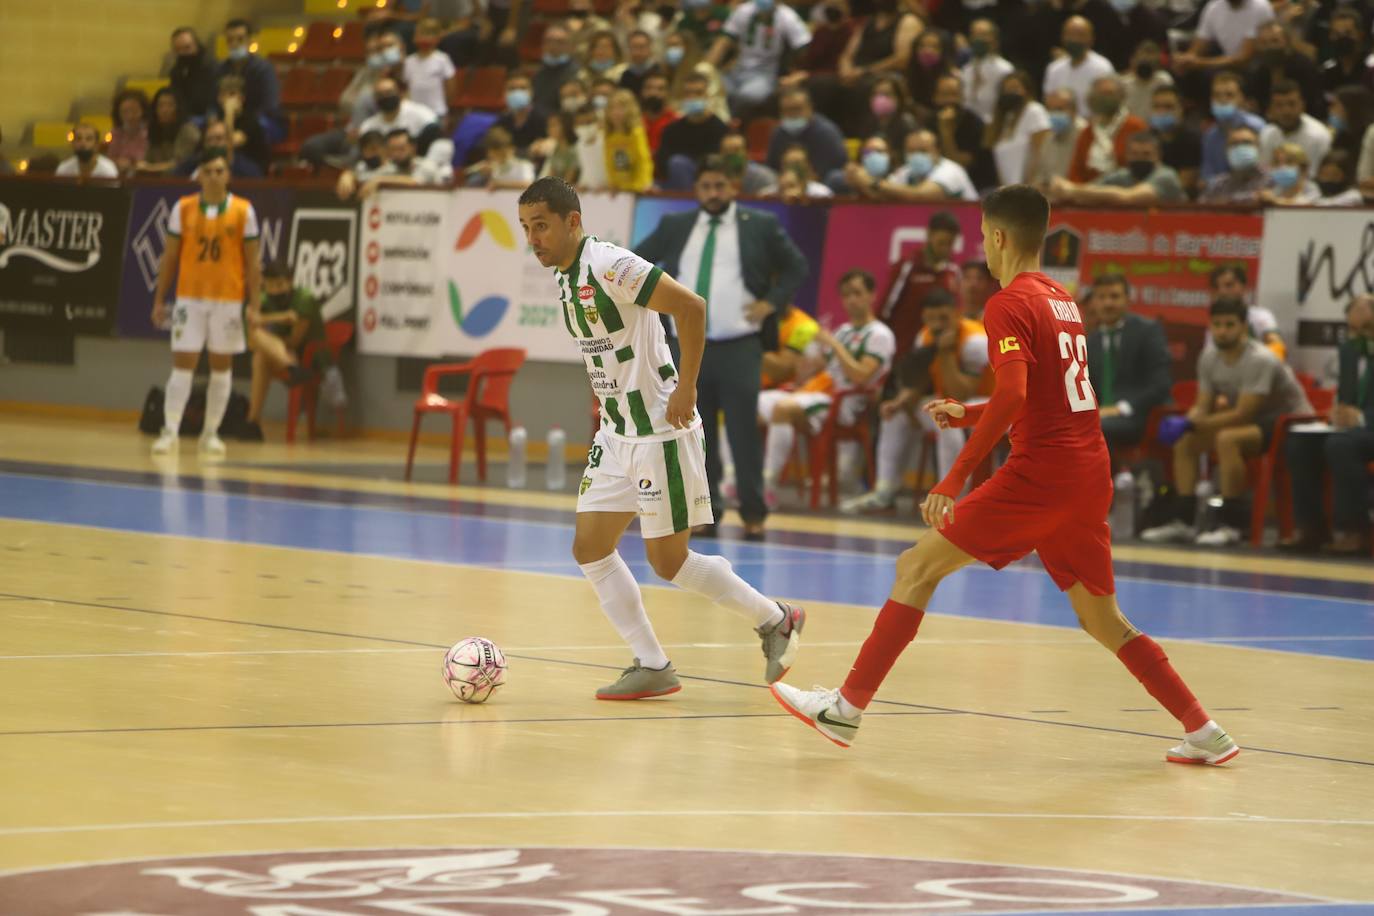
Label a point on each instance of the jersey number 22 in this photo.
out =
(1076, 383)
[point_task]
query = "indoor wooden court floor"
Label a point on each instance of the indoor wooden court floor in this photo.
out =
(222, 695)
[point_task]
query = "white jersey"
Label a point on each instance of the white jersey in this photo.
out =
(871, 339)
(604, 296)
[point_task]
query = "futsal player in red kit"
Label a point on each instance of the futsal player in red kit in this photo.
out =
(1052, 495)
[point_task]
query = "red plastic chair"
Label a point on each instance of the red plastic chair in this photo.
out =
(351, 45)
(758, 136)
(1270, 470)
(823, 459)
(331, 85)
(488, 398)
(298, 87)
(319, 42)
(306, 395)
(531, 42)
(484, 87)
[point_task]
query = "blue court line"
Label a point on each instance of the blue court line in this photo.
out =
(1315, 624)
(901, 537)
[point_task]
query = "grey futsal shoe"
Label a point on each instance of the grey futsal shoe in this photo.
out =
(781, 642)
(639, 683)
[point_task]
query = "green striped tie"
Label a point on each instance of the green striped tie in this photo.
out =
(708, 257)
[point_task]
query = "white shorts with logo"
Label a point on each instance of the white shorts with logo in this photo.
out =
(664, 481)
(815, 404)
(198, 323)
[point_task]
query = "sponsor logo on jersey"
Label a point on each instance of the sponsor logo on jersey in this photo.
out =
(645, 483)
(1007, 344)
(609, 276)
(585, 292)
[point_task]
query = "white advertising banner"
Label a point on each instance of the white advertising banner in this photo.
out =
(448, 273)
(1312, 263)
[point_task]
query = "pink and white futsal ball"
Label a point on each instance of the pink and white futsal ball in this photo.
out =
(474, 668)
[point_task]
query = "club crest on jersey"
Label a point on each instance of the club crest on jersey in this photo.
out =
(1007, 344)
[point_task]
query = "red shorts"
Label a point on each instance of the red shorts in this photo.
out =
(1064, 520)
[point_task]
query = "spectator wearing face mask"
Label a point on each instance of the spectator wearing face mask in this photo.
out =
(1276, 63)
(602, 89)
(682, 60)
(881, 44)
(522, 119)
(1245, 179)
(931, 61)
(1336, 181)
(556, 67)
(764, 35)
(1180, 143)
(1288, 176)
(1347, 63)
(926, 176)
(1080, 67)
(1056, 153)
(1018, 130)
(261, 92)
(1144, 76)
(802, 126)
(797, 179)
(1142, 181)
(1102, 147)
(602, 59)
(1121, 26)
(862, 177)
(356, 103)
(1228, 114)
(1289, 124)
(689, 139)
(129, 138)
(640, 61)
(85, 161)
(753, 178)
(192, 76)
(653, 102)
(403, 166)
(961, 132)
(888, 112)
(429, 72)
(372, 156)
(984, 72)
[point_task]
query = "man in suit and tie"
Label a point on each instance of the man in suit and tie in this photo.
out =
(746, 268)
(1128, 362)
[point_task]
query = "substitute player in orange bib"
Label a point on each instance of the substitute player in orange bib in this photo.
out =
(1051, 496)
(212, 247)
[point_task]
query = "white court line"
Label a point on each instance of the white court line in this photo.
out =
(538, 815)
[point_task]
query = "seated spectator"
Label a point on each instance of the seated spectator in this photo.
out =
(950, 361)
(192, 76)
(1128, 362)
(1275, 62)
(1227, 110)
(558, 150)
(761, 32)
(556, 67)
(261, 92)
(985, 71)
(85, 161)
(802, 126)
(1351, 116)
(640, 61)
(172, 137)
(931, 60)
(502, 167)
(356, 104)
(523, 119)
(682, 58)
(1246, 178)
(1288, 123)
(1102, 147)
(1231, 281)
(1123, 26)
(429, 73)
(1018, 130)
(1056, 153)
(889, 112)
(977, 286)
(602, 59)
(702, 20)
(797, 179)
(925, 268)
(1345, 452)
(404, 167)
(859, 357)
(1288, 175)
(961, 132)
(1243, 389)
(246, 134)
(1225, 36)
(372, 149)
(128, 144)
(1080, 67)
(1347, 64)
(926, 176)
(394, 110)
(629, 164)
(862, 177)
(602, 87)
(817, 67)
(289, 318)
(653, 101)
(1143, 181)
(1336, 181)
(216, 136)
(582, 23)
(1180, 143)
(591, 150)
(573, 97)
(881, 44)
(1146, 75)
(689, 139)
(796, 353)
(754, 179)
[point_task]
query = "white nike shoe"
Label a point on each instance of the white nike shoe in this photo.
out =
(1213, 751)
(1174, 532)
(166, 442)
(1225, 536)
(212, 446)
(818, 708)
(875, 501)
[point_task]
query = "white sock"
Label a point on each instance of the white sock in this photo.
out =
(712, 578)
(1206, 733)
(178, 393)
(781, 438)
(216, 400)
(847, 709)
(894, 441)
(622, 603)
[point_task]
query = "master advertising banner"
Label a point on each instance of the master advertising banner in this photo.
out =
(805, 225)
(60, 250)
(448, 273)
(873, 237)
(1314, 263)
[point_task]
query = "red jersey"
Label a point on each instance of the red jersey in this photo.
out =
(908, 282)
(1035, 321)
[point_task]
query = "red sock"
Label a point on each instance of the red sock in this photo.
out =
(895, 627)
(1143, 657)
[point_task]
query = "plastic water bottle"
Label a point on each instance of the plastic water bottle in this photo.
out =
(332, 388)
(1203, 491)
(557, 465)
(1123, 506)
(515, 463)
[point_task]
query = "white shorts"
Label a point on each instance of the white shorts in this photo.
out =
(815, 404)
(664, 481)
(197, 323)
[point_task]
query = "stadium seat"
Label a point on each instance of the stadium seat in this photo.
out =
(298, 87)
(149, 87)
(484, 87)
(350, 45)
(531, 42)
(1270, 470)
(305, 396)
(759, 132)
(490, 374)
(551, 7)
(825, 445)
(331, 85)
